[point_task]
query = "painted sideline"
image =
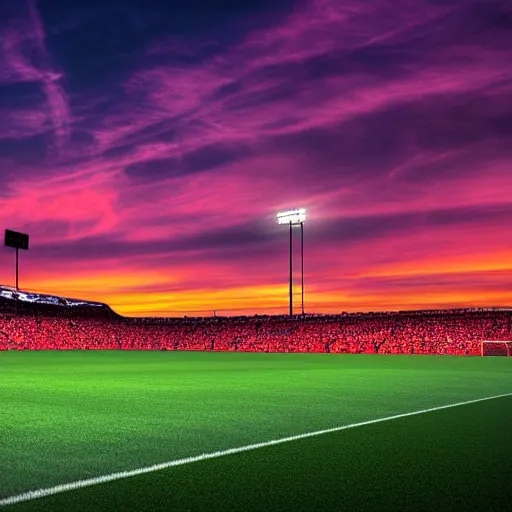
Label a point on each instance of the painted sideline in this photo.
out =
(40, 493)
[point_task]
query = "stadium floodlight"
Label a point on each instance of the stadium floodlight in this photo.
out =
(295, 217)
(292, 216)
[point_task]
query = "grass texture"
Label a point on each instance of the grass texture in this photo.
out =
(66, 416)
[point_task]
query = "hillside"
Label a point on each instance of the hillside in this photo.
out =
(43, 304)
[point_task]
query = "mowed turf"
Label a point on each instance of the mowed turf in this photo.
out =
(66, 416)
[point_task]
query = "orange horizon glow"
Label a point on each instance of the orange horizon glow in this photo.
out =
(145, 294)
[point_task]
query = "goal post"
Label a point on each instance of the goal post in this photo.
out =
(496, 348)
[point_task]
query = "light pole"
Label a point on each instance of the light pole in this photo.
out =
(302, 264)
(291, 269)
(294, 218)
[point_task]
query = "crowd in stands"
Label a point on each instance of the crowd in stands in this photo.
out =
(455, 333)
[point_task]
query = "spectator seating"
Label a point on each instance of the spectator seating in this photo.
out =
(453, 333)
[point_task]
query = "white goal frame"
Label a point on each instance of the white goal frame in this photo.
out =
(507, 343)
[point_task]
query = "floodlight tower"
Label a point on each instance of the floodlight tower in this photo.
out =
(295, 218)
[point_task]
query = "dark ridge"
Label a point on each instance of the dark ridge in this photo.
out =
(30, 303)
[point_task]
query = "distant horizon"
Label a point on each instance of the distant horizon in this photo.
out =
(147, 147)
(275, 312)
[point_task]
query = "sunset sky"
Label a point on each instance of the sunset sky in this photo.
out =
(147, 145)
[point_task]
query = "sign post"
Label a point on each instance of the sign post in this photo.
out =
(17, 241)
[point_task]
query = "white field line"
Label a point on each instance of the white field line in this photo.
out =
(40, 493)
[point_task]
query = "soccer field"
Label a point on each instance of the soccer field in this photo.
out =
(67, 417)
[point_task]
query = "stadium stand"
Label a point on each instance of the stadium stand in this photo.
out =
(456, 332)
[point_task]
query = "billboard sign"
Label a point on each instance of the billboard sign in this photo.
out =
(16, 240)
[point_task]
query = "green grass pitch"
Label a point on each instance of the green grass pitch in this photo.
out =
(67, 416)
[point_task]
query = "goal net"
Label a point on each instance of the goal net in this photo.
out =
(496, 348)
